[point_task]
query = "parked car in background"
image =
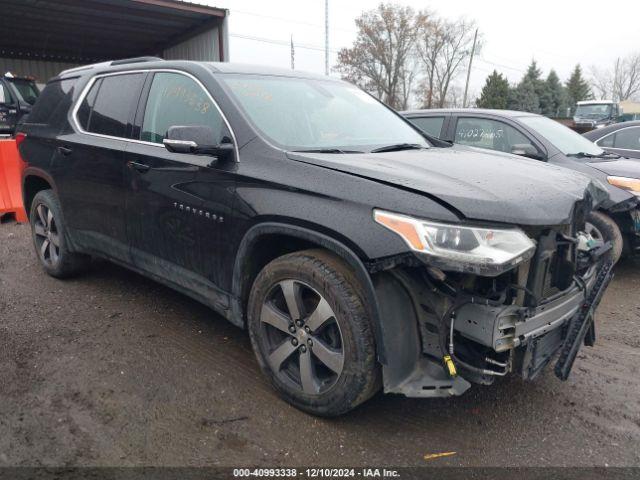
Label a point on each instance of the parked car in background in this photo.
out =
(17, 97)
(620, 138)
(546, 140)
(592, 114)
(358, 254)
(629, 117)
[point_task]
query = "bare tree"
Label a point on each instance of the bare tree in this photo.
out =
(382, 59)
(443, 48)
(622, 82)
(430, 43)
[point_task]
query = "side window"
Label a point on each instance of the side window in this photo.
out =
(628, 138)
(430, 125)
(177, 100)
(109, 105)
(84, 111)
(607, 141)
(486, 133)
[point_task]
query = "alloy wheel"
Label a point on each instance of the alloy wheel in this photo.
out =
(301, 337)
(47, 236)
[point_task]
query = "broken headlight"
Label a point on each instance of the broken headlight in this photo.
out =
(485, 251)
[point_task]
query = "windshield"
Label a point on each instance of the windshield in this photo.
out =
(309, 114)
(27, 90)
(561, 137)
(593, 111)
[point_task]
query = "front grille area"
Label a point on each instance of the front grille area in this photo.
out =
(552, 267)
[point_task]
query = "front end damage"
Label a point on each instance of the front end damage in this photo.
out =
(450, 329)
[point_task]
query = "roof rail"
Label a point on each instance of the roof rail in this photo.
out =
(126, 61)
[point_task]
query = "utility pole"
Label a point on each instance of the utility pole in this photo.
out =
(326, 37)
(466, 85)
(293, 55)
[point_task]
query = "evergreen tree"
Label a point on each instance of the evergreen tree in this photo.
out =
(495, 93)
(525, 98)
(532, 77)
(557, 104)
(577, 88)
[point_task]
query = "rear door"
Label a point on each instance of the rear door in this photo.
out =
(90, 165)
(8, 109)
(178, 204)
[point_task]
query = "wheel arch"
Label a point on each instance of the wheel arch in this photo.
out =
(33, 181)
(266, 241)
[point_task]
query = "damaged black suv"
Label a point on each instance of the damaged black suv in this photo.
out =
(359, 253)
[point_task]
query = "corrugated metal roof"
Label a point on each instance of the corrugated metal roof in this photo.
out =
(87, 31)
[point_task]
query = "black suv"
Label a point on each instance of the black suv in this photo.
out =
(17, 96)
(358, 254)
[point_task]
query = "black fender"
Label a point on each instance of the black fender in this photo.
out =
(35, 172)
(344, 252)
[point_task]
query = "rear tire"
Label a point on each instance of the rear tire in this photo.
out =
(308, 306)
(602, 227)
(50, 238)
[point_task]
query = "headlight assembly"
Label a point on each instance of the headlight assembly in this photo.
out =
(626, 183)
(485, 251)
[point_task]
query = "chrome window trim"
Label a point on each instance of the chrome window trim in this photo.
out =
(597, 142)
(74, 112)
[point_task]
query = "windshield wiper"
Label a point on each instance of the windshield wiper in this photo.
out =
(327, 150)
(397, 147)
(591, 155)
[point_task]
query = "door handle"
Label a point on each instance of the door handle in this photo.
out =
(66, 151)
(141, 167)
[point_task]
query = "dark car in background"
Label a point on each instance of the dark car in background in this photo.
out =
(540, 138)
(358, 254)
(17, 97)
(620, 138)
(594, 114)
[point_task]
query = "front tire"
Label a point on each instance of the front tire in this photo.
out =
(311, 333)
(603, 228)
(49, 237)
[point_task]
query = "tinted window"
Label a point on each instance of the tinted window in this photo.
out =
(628, 138)
(491, 134)
(84, 112)
(177, 100)
(53, 103)
(607, 141)
(115, 101)
(26, 89)
(430, 125)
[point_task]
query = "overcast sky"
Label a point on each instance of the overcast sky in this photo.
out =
(558, 34)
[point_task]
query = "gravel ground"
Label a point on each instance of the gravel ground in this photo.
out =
(114, 369)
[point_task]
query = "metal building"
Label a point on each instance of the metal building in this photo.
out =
(39, 38)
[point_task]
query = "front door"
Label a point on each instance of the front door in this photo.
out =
(178, 204)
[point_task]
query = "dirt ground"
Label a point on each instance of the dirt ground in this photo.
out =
(114, 369)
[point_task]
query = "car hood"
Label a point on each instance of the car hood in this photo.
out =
(473, 183)
(623, 167)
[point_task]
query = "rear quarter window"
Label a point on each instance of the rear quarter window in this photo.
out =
(430, 125)
(53, 103)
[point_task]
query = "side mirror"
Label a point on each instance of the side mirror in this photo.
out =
(197, 140)
(526, 150)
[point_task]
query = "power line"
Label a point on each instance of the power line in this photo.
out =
(291, 20)
(281, 42)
